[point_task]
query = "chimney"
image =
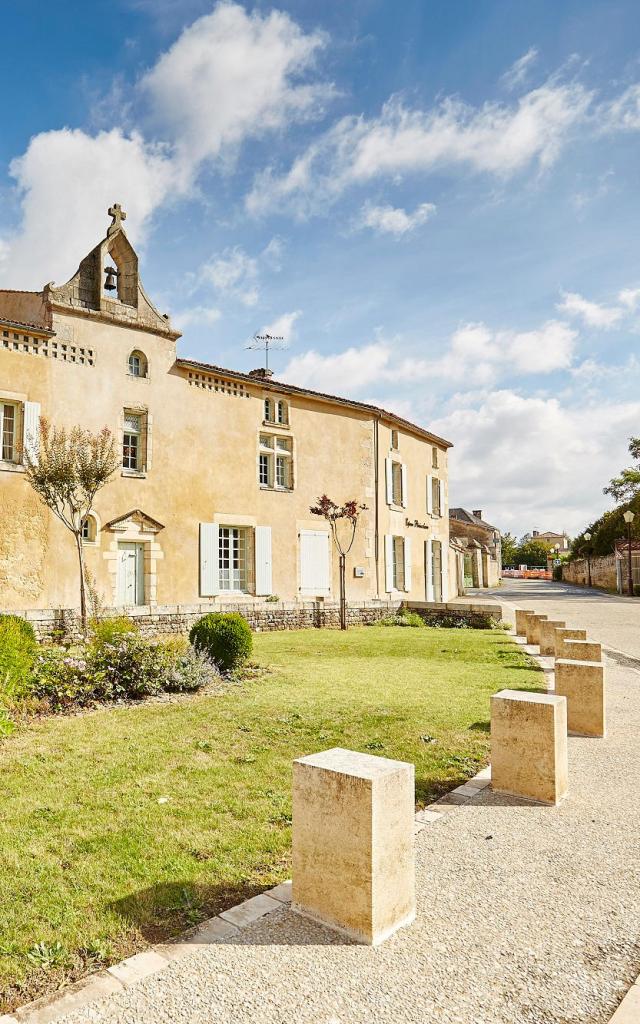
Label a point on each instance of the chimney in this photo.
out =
(478, 513)
(262, 374)
(536, 533)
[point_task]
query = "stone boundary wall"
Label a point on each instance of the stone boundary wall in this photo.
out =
(477, 616)
(603, 572)
(63, 623)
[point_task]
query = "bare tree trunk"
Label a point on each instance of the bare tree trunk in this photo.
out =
(83, 589)
(343, 597)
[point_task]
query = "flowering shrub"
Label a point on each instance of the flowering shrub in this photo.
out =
(61, 678)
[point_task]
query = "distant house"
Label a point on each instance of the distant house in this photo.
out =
(549, 539)
(477, 549)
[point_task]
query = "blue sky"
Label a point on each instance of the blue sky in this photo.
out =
(437, 204)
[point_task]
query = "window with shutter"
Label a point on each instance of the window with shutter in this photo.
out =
(315, 563)
(8, 431)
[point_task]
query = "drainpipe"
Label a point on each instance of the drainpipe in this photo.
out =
(376, 545)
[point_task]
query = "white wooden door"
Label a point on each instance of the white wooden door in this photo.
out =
(130, 574)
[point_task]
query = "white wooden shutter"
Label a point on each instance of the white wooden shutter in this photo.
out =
(388, 563)
(407, 564)
(389, 479)
(209, 571)
(31, 431)
(263, 560)
(430, 495)
(315, 563)
(405, 493)
(428, 568)
(445, 573)
(441, 486)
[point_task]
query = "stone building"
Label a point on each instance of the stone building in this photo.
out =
(218, 468)
(549, 538)
(478, 551)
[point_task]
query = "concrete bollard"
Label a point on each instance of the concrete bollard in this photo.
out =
(353, 859)
(582, 683)
(582, 650)
(521, 621)
(533, 628)
(547, 635)
(567, 634)
(529, 745)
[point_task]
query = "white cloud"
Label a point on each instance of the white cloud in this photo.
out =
(495, 138)
(591, 313)
(233, 274)
(283, 326)
(231, 76)
(475, 352)
(195, 316)
(621, 114)
(629, 297)
(273, 252)
(520, 68)
(67, 180)
(391, 220)
(505, 441)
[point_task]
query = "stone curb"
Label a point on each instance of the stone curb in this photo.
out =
(228, 923)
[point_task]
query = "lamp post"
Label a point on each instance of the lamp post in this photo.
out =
(587, 537)
(628, 518)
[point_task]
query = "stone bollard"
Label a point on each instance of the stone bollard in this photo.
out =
(582, 650)
(353, 859)
(533, 628)
(529, 745)
(567, 634)
(521, 621)
(582, 683)
(548, 636)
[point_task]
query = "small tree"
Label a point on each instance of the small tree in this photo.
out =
(509, 546)
(334, 514)
(627, 485)
(67, 472)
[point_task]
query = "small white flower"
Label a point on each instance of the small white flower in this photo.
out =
(163, 799)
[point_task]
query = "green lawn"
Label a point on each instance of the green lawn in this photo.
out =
(93, 865)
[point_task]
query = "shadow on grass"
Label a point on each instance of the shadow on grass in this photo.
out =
(168, 910)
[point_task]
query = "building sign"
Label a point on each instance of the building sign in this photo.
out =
(415, 522)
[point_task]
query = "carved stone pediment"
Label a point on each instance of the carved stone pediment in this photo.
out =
(136, 519)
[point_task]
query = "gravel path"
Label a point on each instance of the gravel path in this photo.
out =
(526, 915)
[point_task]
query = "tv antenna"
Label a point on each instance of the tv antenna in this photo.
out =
(264, 342)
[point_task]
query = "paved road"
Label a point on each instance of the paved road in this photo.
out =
(612, 620)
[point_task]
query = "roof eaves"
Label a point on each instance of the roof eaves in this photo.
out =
(293, 389)
(23, 325)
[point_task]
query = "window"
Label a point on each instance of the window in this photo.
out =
(434, 458)
(394, 440)
(232, 559)
(132, 442)
(137, 364)
(396, 471)
(89, 529)
(276, 412)
(275, 464)
(435, 496)
(398, 563)
(9, 432)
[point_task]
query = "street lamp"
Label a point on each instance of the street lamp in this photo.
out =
(587, 537)
(628, 518)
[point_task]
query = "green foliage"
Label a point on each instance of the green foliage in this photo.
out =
(185, 669)
(606, 530)
(106, 631)
(18, 648)
(627, 485)
(224, 637)
(509, 546)
(557, 573)
(533, 552)
(7, 725)
(404, 617)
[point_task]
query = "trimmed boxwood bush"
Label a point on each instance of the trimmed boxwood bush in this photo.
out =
(224, 637)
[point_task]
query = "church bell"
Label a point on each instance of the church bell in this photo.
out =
(110, 282)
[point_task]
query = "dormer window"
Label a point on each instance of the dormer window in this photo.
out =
(276, 412)
(137, 364)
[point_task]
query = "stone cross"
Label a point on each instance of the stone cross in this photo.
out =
(118, 215)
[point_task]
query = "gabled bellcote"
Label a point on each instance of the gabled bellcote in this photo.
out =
(107, 285)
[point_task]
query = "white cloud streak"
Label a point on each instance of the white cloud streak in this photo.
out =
(395, 221)
(519, 70)
(233, 274)
(591, 313)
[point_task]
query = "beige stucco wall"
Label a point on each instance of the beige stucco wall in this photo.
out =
(203, 468)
